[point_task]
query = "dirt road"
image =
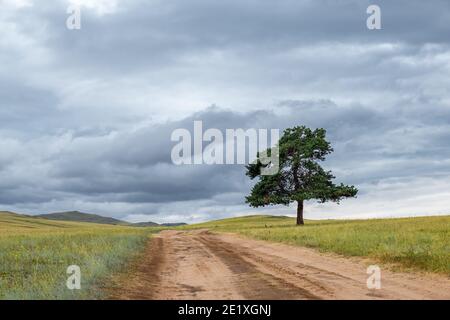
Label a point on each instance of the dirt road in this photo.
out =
(203, 265)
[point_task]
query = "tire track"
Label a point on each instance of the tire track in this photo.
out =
(202, 265)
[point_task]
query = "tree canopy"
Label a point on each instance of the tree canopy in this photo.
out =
(300, 176)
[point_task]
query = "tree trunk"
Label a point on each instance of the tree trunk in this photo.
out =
(300, 213)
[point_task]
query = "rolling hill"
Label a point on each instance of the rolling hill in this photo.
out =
(81, 217)
(77, 216)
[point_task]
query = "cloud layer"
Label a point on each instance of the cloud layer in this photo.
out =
(86, 116)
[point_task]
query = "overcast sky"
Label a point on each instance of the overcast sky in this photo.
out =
(86, 115)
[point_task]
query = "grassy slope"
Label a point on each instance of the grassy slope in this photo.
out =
(35, 254)
(81, 217)
(421, 243)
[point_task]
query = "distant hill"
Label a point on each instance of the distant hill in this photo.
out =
(81, 217)
(173, 224)
(145, 224)
(95, 218)
(10, 213)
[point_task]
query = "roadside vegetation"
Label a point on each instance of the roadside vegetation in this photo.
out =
(35, 254)
(421, 243)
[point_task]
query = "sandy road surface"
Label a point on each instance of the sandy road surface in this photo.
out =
(203, 265)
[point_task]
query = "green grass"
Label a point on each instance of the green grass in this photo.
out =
(35, 254)
(421, 243)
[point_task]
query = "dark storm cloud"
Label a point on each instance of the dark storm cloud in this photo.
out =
(153, 34)
(86, 116)
(136, 166)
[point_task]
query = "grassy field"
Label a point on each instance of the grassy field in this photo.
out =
(419, 243)
(35, 254)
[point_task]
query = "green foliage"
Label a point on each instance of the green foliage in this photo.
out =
(300, 176)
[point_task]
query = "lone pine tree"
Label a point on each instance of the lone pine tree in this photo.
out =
(300, 176)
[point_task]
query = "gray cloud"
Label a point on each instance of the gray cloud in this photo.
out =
(86, 116)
